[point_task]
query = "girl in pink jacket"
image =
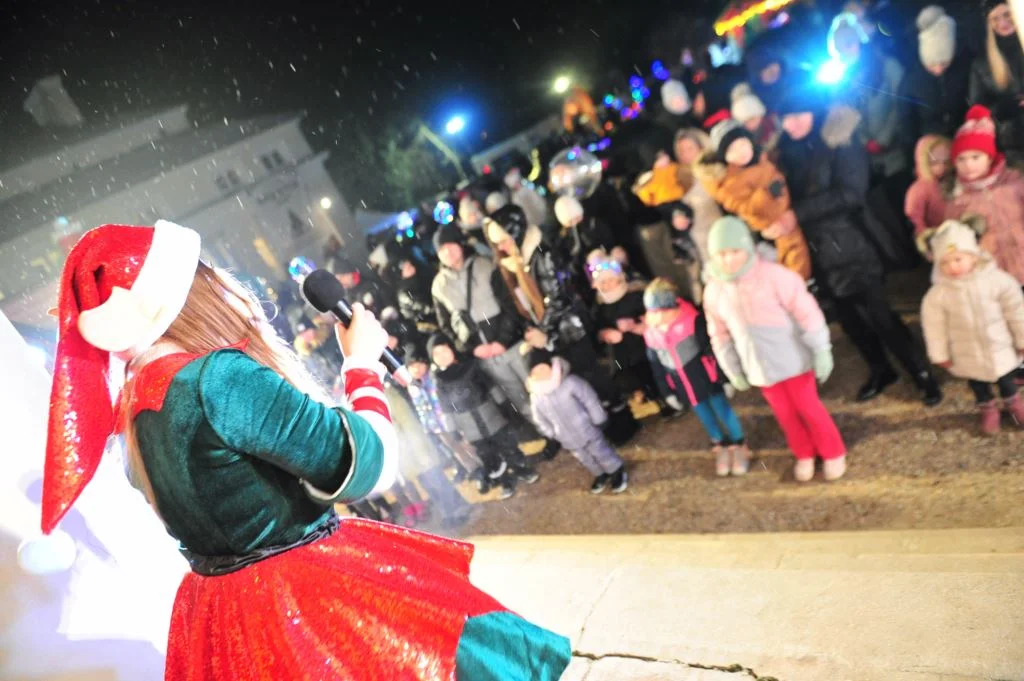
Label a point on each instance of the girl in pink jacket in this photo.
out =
(986, 187)
(680, 354)
(768, 331)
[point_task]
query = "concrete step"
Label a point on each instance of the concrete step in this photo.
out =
(892, 606)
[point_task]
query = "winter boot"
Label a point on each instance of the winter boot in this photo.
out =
(1015, 405)
(600, 483)
(879, 380)
(835, 468)
(740, 455)
(803, 470)
(989, 417)
(722, 460)
(931, 393)
(619, 481)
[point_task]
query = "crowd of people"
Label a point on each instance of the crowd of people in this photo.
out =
(550, 319)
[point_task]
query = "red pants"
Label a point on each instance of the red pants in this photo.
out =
(807, 425)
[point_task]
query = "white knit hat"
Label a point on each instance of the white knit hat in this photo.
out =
(719, 132)
(568, 210)
(675, 98)
(495, 200)
(954, 236)
(936, 36)
(745, 104)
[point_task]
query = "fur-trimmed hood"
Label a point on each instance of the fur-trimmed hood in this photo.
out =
(708, 169)
(840, 123)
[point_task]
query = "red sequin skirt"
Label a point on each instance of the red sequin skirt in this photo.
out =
(372, 601)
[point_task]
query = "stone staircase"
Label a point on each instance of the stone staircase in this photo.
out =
(939, 605)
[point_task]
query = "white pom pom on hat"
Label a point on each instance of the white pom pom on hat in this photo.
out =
(47, 554)
(936, 36)
(568, 210)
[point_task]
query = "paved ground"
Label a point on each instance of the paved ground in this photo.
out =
(910, 467)
(932, 605)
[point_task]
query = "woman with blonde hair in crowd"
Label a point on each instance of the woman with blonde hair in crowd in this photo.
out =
(997, 77)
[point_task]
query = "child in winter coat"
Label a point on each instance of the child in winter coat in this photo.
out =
(619, 314)
(748, 185)
(987, 188)
(680, 353)
(685, 253)
(925, 206)
(973, 321)
(567, 409)
(768, 331)
(423, 392)
(470, 405)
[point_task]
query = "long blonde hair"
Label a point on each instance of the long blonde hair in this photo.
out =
(218, 312)
(997, 63)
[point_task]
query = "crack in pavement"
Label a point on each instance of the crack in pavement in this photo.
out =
(729, 669)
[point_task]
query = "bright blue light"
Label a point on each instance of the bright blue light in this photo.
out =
(638, 95)
(63, 221)
(608, 99)
(635, 82)
(403, 221)
(659, 70)
(300, 266)
(444, 214)
(592, 147)
(831, 72)
(410, 232)
(455, 125)
(617, 104)
(657, 66)
(571, 156)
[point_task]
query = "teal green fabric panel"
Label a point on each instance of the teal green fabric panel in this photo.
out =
(255, 411)
(367, 458)
(501, 646)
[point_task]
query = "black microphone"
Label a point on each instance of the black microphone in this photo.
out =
(324, 292)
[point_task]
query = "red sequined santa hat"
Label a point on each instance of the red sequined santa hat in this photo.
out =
(978, 133)
(120, 289)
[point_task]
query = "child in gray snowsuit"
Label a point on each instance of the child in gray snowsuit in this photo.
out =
(567, 409)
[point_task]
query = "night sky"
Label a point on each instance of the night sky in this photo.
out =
(356, 66)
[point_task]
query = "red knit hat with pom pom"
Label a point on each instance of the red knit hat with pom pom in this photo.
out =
(978, 133)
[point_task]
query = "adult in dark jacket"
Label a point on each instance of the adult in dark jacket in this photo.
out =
(828, 175)
(771, 62)
(997, 77)
(935, 88)
(475, 309)
(415, 303)
(538, 277)
(361, 286)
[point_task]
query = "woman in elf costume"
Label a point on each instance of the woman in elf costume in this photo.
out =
(237, 451)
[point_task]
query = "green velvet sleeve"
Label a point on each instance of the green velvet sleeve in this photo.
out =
(256, 412)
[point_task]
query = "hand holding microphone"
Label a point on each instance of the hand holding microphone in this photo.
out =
(364, 338)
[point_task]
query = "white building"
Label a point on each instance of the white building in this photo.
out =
(254, 189)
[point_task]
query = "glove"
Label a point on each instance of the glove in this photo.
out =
(740, 382)
(823, 364)
(674, 402)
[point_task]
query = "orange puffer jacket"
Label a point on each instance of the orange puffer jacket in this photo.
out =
(759, 196)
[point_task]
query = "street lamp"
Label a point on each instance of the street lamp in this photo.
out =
(455, 125)
(326, 203)
(562, 84)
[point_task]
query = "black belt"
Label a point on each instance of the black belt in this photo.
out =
(213, 566)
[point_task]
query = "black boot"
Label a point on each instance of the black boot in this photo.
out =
(931, 392)
(879, 380)
(551, 449)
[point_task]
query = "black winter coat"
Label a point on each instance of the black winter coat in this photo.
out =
(935, 105)
(565, 315)
(631, 351)
(415, 302)
(1005, 104)
(828, 176)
